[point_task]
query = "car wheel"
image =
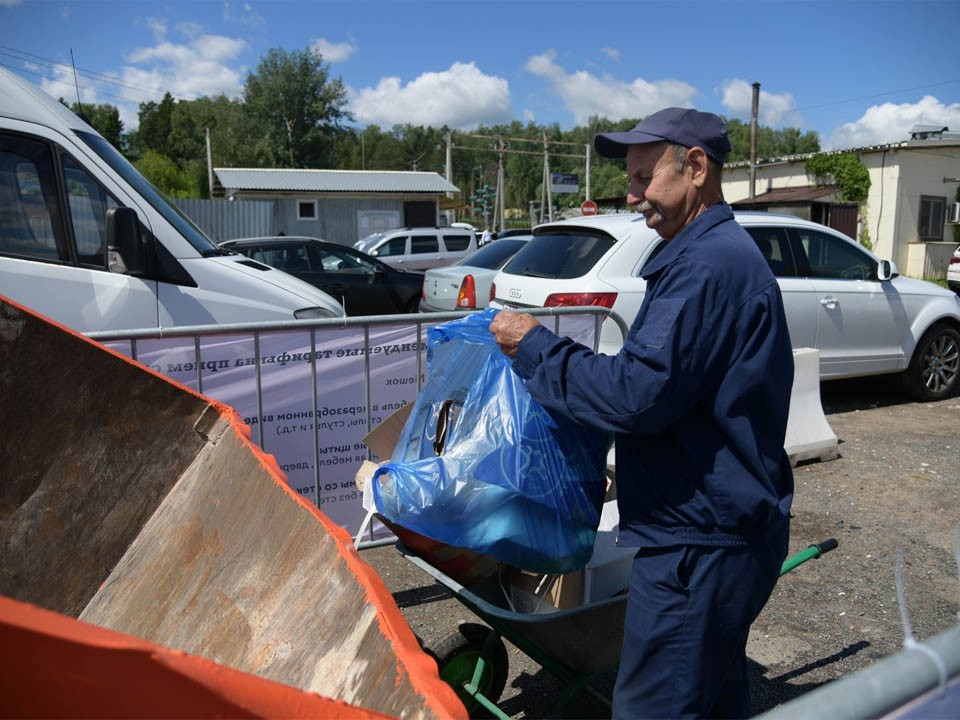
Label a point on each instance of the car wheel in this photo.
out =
(935, 366)
(413, 306)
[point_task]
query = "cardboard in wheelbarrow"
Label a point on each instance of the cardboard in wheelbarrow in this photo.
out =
(141, 507)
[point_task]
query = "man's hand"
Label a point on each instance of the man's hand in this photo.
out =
(508, 329)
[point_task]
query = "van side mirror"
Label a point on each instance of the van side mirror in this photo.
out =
(886, 270)
(126, 251)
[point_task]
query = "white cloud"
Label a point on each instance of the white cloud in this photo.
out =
(584, 94)
(889, 122)
(333, 52)
(775, 111)
(203, 65)
(611, 53)
(158, 27)
(461, 97)
(9, 3)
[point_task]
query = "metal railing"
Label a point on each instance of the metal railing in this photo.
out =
(132, 340)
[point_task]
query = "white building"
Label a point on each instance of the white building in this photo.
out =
(911, 209)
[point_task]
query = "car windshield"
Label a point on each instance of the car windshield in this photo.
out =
(493, 255)
(559, 256)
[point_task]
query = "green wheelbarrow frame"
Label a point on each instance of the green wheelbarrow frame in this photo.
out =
(477, 667)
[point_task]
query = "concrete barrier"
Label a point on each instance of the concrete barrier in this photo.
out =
(809, 435)
(139, 506)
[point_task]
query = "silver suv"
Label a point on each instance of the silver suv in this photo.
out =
(419, 248)
(863, 317)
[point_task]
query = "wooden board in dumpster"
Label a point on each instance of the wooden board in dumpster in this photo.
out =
(463, 565)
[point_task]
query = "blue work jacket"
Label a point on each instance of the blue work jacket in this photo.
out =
(697, 397)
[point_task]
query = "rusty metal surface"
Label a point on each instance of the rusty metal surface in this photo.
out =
(139, 506)
(234, 569)
(89, 446)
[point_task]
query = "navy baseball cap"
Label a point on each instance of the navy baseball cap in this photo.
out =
(681, 126)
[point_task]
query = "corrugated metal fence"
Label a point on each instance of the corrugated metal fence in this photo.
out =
(225, 220)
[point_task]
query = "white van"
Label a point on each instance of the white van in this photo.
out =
(89, 242)
(419, 248)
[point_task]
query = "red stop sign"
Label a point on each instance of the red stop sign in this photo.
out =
(588, 207)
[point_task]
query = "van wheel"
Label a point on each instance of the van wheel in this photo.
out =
(935, 366)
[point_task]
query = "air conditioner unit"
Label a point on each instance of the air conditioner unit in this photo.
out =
(953, 213)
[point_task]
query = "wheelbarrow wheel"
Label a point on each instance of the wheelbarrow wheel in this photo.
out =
(457, 658)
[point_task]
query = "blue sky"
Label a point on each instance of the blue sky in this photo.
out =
(856, 72)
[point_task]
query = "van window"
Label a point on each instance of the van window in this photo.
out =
(88, 203)
(456, 243)
(30, 224)
(184, 225)
(393, 246)
(420, 244)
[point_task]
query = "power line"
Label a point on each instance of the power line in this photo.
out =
(876, 95)
(91, 75)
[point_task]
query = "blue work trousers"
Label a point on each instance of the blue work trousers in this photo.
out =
(689, 611)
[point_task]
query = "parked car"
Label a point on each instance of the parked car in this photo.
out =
(863, 317)
(510, 232)
(466, 284)
(953, 272)
(419, 248)
(362, 283)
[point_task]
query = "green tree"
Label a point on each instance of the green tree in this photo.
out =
(167, 176)
(105, 119)
(845, 170)
(153, 132)
(850, 175)
(298, 108)
(770, 143)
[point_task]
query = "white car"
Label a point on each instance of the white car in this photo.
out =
(419, 248)
(953, 272)
(466, 284)
(863, 317)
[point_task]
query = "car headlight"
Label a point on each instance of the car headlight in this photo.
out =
(315, 313)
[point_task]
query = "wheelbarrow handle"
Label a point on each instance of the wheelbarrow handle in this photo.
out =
(811, 552)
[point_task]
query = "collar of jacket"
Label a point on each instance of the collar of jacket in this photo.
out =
(708, 219)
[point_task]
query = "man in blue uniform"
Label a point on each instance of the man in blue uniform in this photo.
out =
(698, 399)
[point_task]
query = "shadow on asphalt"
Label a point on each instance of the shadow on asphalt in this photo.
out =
(861, 394)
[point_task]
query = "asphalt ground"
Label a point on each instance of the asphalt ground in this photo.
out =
(893, 490)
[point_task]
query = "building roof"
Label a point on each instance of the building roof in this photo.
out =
(943, 139)
(790, 195)
(332, 181)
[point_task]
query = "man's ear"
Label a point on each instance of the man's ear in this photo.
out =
(698, 163)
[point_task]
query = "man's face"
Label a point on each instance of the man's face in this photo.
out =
(665, 197)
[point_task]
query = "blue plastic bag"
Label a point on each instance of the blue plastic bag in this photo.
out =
(513, 481)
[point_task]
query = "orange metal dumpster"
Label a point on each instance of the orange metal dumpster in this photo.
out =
(139, 506)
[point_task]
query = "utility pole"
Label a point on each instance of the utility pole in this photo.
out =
(449, 157)
(753, 139)
(547, 188)
(587, 192)
(206, 132)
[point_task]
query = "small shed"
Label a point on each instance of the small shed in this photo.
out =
(339, 205)
(810, 202)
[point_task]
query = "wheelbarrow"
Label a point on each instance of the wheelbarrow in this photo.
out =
(578, 645)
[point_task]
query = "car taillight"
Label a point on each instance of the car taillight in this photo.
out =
(571, 299)
(467, 297)
(493, 291)
(954, 259)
